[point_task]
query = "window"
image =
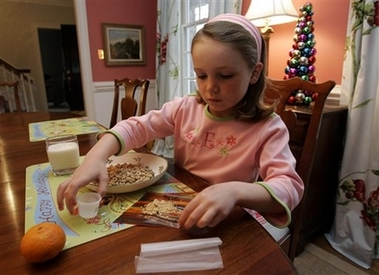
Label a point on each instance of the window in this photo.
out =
(195, 15)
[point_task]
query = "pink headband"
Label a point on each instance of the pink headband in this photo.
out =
(244, 22)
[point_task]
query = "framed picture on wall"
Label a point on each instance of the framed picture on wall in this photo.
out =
(123, 44)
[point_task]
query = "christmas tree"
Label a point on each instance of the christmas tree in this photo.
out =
(302, 56)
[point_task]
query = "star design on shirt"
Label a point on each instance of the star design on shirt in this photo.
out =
(189, 136)
(219, 142)
(231, 141)
(224, 151)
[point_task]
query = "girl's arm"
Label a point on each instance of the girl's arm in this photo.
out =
(93, 168)
(218, 201)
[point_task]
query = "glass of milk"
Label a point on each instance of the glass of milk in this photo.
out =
(63, 154)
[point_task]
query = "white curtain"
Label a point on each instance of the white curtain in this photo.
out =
(168, 55)
(355, 230)
(217, 7)
(167, 61)
(168, 43)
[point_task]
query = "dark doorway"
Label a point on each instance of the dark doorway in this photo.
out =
(61, 68)
(73, 79)
(50, 41)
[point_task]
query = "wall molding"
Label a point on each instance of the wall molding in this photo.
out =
(108, 86)
(103, 95)
(335, 95)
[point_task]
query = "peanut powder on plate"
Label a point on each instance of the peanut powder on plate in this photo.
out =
(127, 173)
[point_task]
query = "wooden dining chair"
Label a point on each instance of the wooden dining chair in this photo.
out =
(13, 85)
(2, 104)
(279, 91)
(129, 105)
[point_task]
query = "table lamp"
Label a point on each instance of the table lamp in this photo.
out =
(266, 13)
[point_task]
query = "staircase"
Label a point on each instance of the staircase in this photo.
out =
(26, 87)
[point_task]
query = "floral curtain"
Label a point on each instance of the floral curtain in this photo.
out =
(168, 58)
(168, 54)
(168, 42)
(356, 225)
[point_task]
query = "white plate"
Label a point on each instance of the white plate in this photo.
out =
(157, 164)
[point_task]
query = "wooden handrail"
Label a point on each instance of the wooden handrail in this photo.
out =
(25, 81)
(15, 92)
(18, 72)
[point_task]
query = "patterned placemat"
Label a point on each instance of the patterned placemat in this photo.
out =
(76, 126)
(41, 205)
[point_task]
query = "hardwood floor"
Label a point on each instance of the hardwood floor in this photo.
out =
(322, 243)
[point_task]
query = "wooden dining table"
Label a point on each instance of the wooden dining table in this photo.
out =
(247, 248)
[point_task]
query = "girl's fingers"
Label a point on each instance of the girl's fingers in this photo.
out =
(207, 219)
(70, 198)
(197, 214)
(60, 195)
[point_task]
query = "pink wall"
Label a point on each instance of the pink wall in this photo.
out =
(133, 12)
(330, 26)
(330, 21)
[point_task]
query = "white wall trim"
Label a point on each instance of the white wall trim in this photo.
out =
(108, 86)
(85, 58)
(336, 90)
(104, 86)
(335, 95)
(103, 94)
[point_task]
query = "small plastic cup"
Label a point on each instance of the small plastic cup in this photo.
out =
(88, 204)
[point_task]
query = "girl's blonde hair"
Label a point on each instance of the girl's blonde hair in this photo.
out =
(251, 107)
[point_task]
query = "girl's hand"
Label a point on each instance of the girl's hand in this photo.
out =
(92, 169)
(89, 170)
(209, 207)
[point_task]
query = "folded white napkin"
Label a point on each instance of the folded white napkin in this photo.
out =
(196, 254)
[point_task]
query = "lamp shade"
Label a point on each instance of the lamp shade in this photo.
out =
(271, 12)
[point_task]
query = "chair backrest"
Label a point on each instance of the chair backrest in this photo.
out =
(2, 104)
(280, 91)
(129, 105)
(13, 85)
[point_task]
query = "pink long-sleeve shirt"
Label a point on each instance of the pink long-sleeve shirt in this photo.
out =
(222, 149)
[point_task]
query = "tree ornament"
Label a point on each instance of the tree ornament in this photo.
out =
(294, 63)
(299, 96)
(301, 45)
(302, 56)
(303, 60)
(307, 100)
(292, 100)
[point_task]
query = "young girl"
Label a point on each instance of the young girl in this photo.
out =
(224, 134)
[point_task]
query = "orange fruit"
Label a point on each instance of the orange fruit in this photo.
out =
(42, 242)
